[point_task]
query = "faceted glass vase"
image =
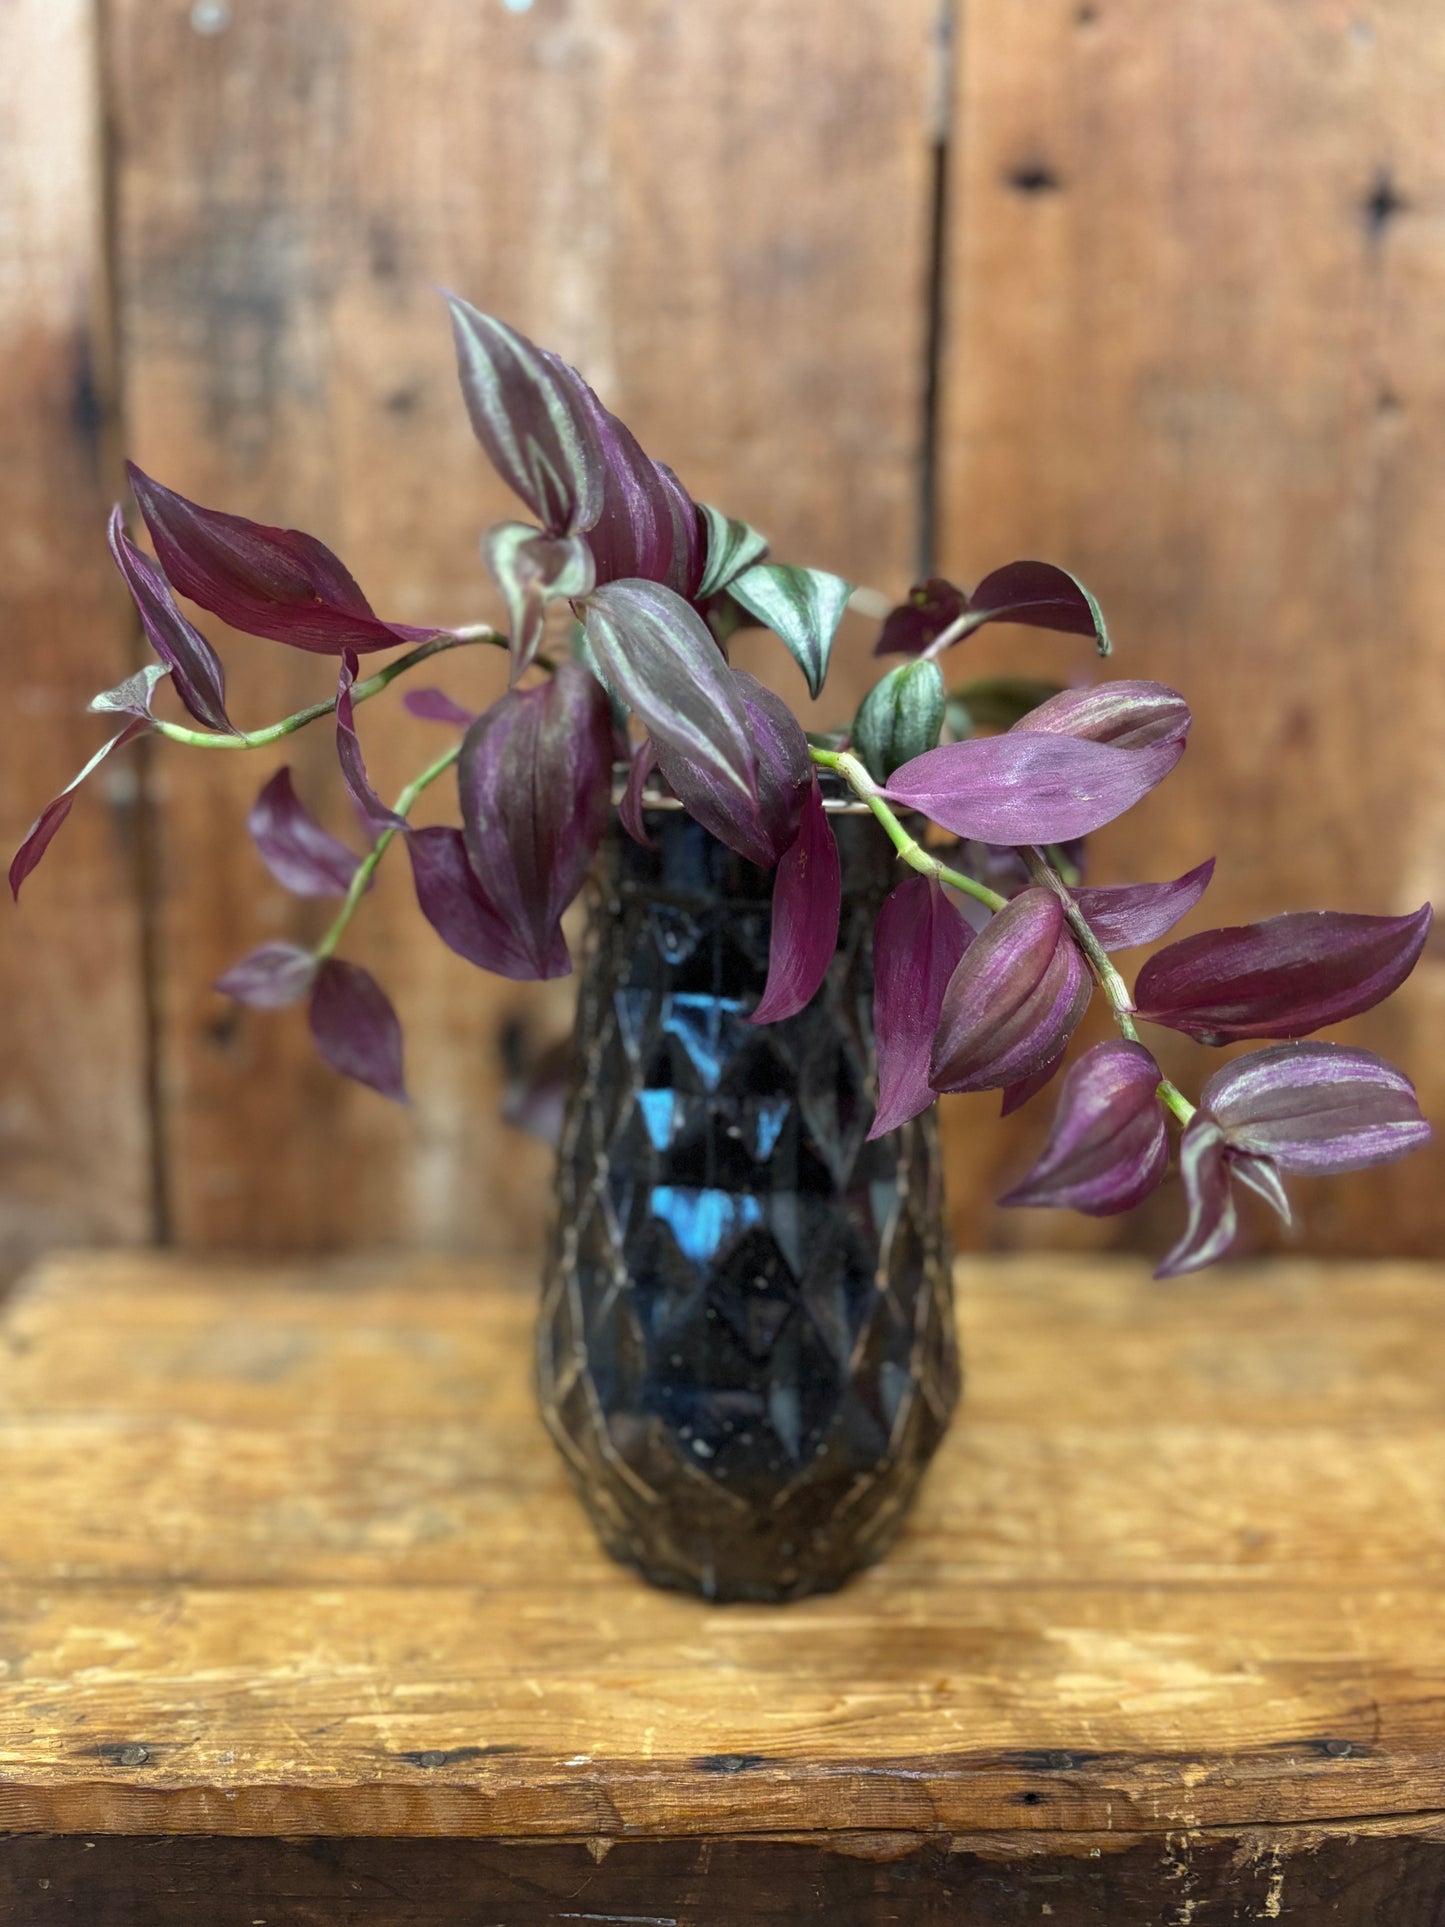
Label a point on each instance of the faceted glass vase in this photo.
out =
(746, 1348)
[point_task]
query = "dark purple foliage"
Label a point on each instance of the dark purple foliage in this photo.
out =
(931, 608)
(356, 1029)
(353, 763)
(41, 832)
(459, 910)
(304, 858)
(649, 526)
(1037, 594)
(629, 810)
(1014, 1001)
(1015, 1096)
(1109, 1147)
(1316, 1109)
(1025, 788)
(1212, 1220)
(807, 894)
(763, 825)
(1284, 977)
(917, 943)
(275, 975)
(436, 706)
(277, 583)
(527, 410)
(1123, 915)
(531, 569)
(1130, 715)
(194, 665)
(535, 781)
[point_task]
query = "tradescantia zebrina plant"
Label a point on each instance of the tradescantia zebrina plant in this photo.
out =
(989, 950)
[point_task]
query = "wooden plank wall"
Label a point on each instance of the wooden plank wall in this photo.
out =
(1193, 263)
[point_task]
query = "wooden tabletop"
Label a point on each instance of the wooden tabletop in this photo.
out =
(286, 1553)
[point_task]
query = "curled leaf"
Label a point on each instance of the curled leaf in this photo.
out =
(42, 831)
(1037, 594)
(899, 718)
(532, 569)
(760, 826)
(658, 655)
(529, 411)
(917, 943)
(133, 696)
(535, 781)
(463, 916)
(731, 547)
(194, 665)
(1212, 1220)
(930, 608)
(1316, 1109)
(348, 751)
(302, 856)
(1014, 1001)
(629, 810)
(1109, 1146)
(1130, 715)
(807, 895)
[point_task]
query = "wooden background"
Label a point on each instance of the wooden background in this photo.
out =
(1180, 272)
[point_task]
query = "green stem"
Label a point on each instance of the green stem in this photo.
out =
(908, 847)
(372, 686)
(1107, 977)
(366, 869)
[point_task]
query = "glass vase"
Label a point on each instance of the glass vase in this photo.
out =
(746, 1348)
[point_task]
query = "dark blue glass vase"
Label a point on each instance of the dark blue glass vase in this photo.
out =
(746, 1350)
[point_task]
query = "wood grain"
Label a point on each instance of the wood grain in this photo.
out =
(74, 1159)
(1195, 274)
(291, 191)
(302, 1561)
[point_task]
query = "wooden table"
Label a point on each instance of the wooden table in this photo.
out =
(301, 1622)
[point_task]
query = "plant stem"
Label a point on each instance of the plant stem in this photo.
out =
(908, 847)
(1107, 977)
(372, 686)
(366, 869)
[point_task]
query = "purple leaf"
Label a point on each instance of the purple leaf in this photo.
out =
(1284, 977)
(1014, 1001)
(1316, 1109)
(277, 583)
(1108, 1147)
(1040, 596)
(649, 526)
(1130, 715)
(932, 607)
(348, 750)
(436, 706)
(530, 412)
(629, 810)
(535, 781)
(663, 662)
(1015, 1096)
(1025, 788)
(356, 1029)
(194, 665)
(1121, 916)
(917, 943)
(532, 569)
(303, 858)
(271, 977)
(41, 832)
(458, 909)
(807, 894)
(762, 826)
(1212, 1220)
(132, 697)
